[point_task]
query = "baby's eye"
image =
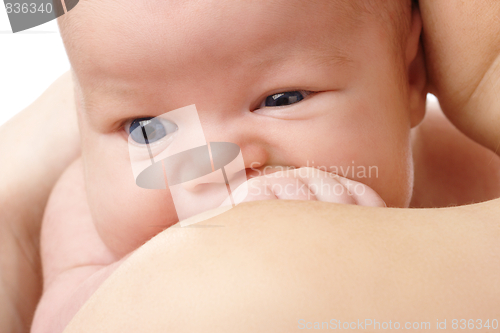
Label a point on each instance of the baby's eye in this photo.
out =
(285, 98)
(148, 130)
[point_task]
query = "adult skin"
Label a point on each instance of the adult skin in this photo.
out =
(277, 266)
(35, 147)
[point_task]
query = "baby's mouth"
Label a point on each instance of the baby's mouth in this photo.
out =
(204, 183)
(267, 170)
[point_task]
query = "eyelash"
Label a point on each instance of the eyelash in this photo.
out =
(167, 129)
(304, 93)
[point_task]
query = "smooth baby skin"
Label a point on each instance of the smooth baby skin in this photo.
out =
(437, 263)
(367, 91)
(68, 227)
(229, 68)
(16, 311)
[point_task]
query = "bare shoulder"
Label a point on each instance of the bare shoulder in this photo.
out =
(269, 266)
(450, 168)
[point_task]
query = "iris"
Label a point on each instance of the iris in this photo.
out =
(285, 98)
(148, 130)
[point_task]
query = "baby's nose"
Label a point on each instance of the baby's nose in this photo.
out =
(222, 166)
(255, 156)
(254, 151)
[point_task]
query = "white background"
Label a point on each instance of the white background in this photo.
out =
(30, 61)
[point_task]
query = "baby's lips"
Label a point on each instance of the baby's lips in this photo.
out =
(258, 172)
(212, 178)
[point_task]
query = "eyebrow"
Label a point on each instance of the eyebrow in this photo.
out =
(333, 57)
(323, 56)
(339, 59)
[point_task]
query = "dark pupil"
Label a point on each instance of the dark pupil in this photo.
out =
(147, 130)
(286, 98)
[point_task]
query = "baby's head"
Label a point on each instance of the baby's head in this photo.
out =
(330, 83)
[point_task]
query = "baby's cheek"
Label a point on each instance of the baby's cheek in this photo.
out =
(127, 216)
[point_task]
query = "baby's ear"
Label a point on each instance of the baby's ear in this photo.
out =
(415, 65)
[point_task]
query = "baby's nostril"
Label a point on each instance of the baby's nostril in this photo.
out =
(251, 173)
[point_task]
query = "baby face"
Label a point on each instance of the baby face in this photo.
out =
(292, 83)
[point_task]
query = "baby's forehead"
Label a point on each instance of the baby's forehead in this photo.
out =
(118, 33)
(128, 39)
(174, 21)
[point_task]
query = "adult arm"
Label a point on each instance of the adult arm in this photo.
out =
(264, 266)
(35, 147)
(462, 47)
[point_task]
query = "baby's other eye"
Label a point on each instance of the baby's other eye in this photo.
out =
(148, 130)
(285, 98)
